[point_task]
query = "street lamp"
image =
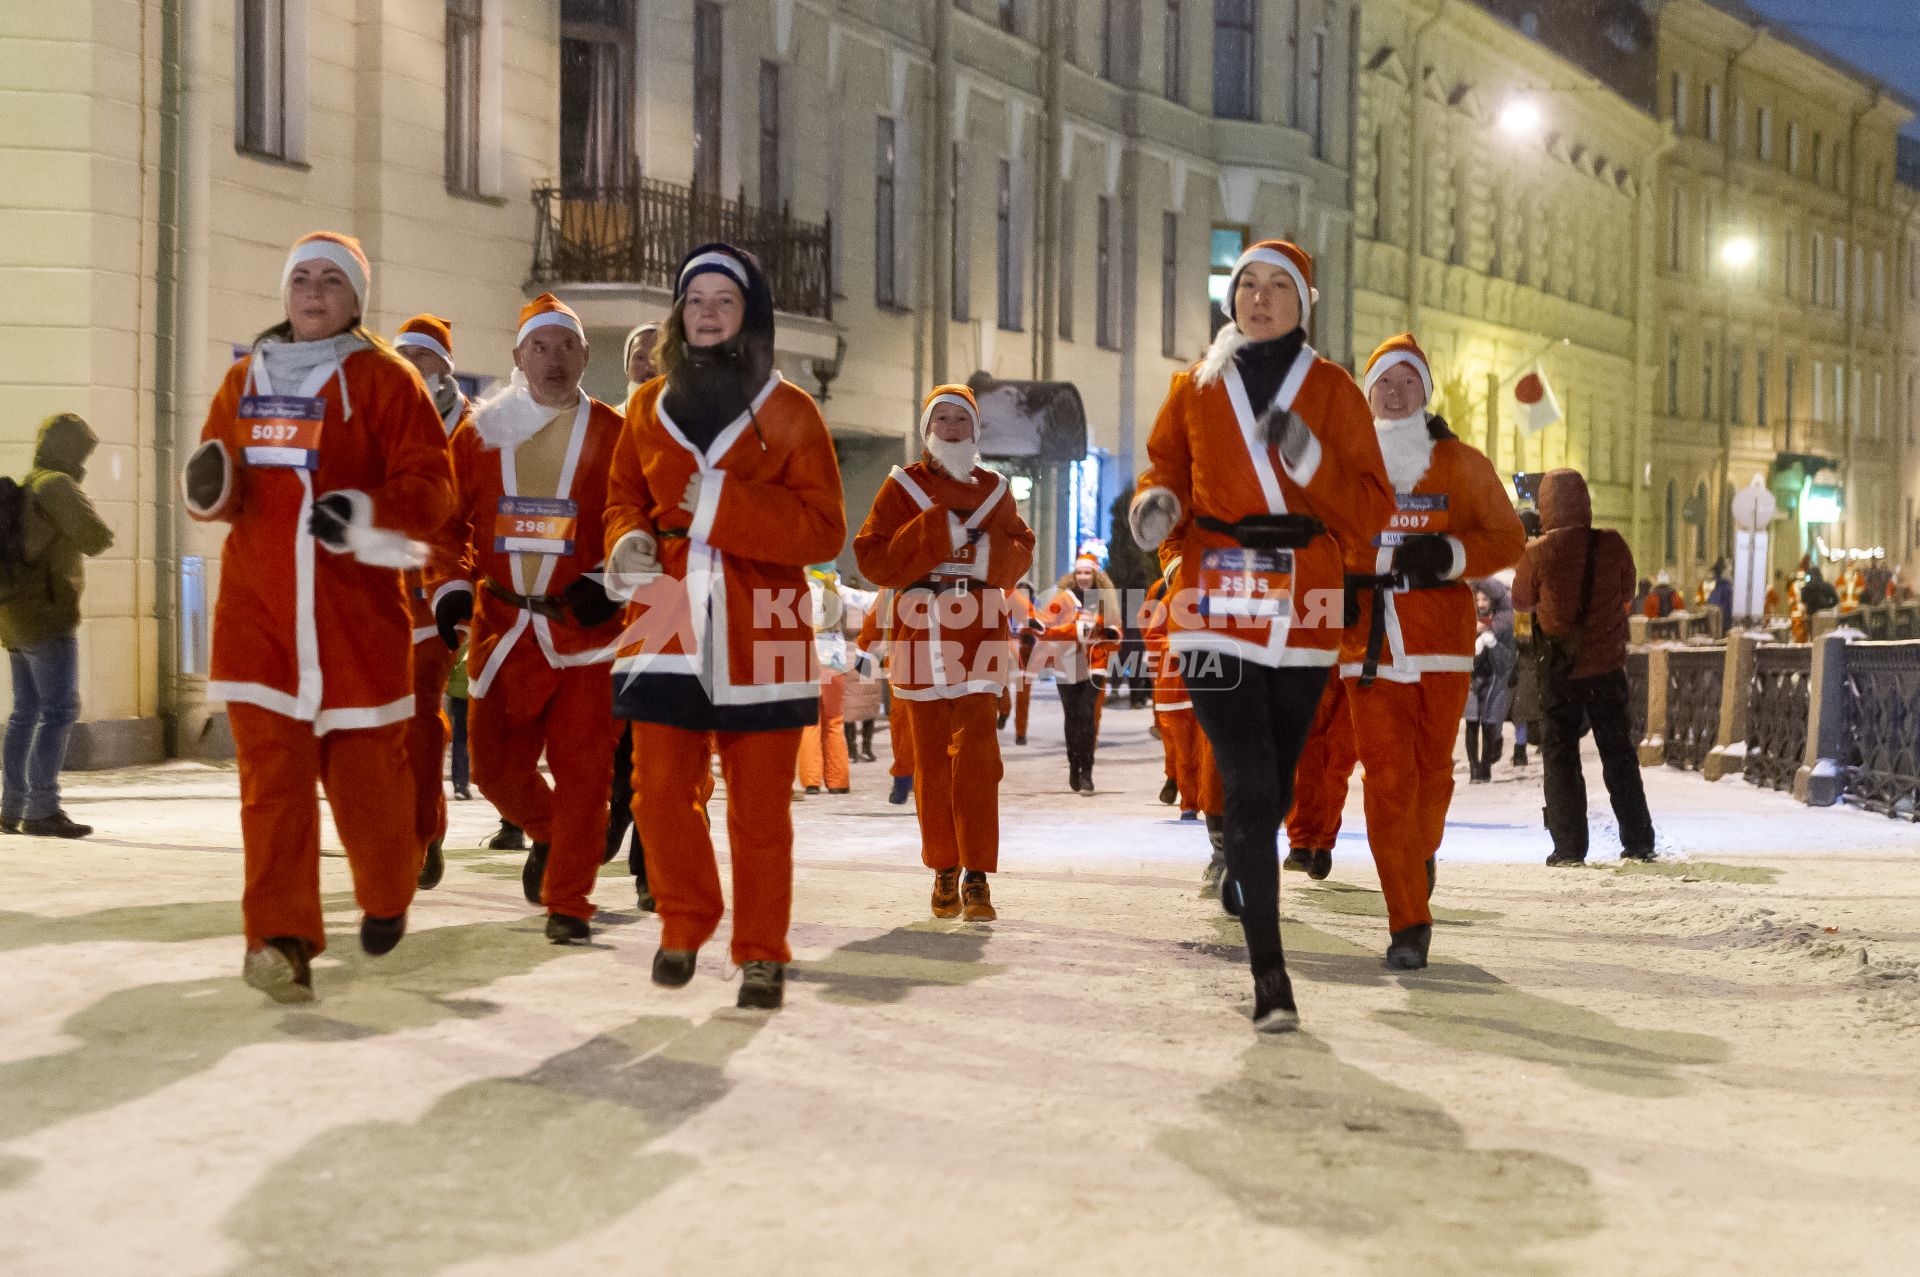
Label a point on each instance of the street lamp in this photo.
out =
(1739, 252)
(1520, 117)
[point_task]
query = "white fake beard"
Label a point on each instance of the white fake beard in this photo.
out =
(511, 417)
(957, 458)
(1406, 448)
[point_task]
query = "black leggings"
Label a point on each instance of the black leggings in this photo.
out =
(1257, 719)
(1484, 743)
(1078, 701)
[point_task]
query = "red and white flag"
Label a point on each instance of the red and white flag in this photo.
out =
(1538, 408)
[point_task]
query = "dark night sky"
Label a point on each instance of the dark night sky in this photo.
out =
(1881, 37)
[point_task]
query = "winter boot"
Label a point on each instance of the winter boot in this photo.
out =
(510, 838)
(812, 789)
(1190, 815)
(1643, 855)
(379, 935)
(534, 873)
(979, 900)
(282, 969)
(672, 968)
(1560, 860)
(1169, 793)
(1520, 754)
(902, 790)
(58, 825)
(1299, 860)
(9, 824)
(565, 929)
(1322, 866)
(433, 868)
(1408, 950)
(946, 893)
(1273, 1008)
(763, 986)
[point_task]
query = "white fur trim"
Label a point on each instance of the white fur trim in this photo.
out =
(326, 250)
(1219, 357)
(707, 508)
(424, 342)
(511, 417)
(375, 547)
(1394, 358)
(926, 414)
(226, 483)
(1303, 473)
(1459, 565)
(450, 588)
(549, 319)
(725, 261)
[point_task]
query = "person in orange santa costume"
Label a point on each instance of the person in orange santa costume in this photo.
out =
(426, 342)
(531, 472)
(1320, 785)
(724, 488)
(945, 537)
(1407, 656)
(323, 454)
(1262, 462)
(871, 658)
(1190, 766)
(1076, 632)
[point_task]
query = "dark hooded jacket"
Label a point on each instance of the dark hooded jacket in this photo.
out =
(62, 531)
(1547, 582)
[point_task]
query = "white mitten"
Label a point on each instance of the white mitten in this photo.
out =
(633, 562)
(1152, 516)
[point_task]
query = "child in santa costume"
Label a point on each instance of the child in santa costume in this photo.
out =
(531, 470)
(1262, 456)
(324, 454)
(1077, 631)
(1407, 656)
(945, 536)
(724, 488)
(426, 342)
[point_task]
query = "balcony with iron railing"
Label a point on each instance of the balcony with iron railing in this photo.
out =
(635, 233)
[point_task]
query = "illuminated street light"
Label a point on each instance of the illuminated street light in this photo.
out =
(1520, 118)
(1739, 252)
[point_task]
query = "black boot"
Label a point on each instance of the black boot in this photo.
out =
(534, 873)
(379, 935)
(58, 825)
(1408, 950)
(1299, 860)
(433, 868)
(1322, 866)
(1273, 1008)
(672, 968)
(1170, 792)
(566, 929)
(1520, 754)
(763, 986)
(282, 969)
(510, 838)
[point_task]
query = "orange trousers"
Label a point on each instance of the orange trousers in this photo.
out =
(900, 736)
(672, 770)
(280, 759)
(823, 747)
(1190, 762)
(1406, 733)
(1326, 769)
(427, 733)
(567, 714)
(956, 781)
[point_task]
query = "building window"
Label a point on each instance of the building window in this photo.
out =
(1760, 389)
(1006, 260)
(1670, 537)
(1677, 110)
(1673, 374)
(1106, 259)
(1851, 403)
(772, 189)
(1793, 147)
(1879, 405)
(1763, 134)
(1173, 71)
(959, 240)
(1676, 230)
(886, 284)
(1736, 382)
(1790, 244)
(1711, 122)
(1816, 267)
(463, 96)
(1819, 391)
(1067, 220)
(708, 97)
(1788, 386)
(1224, 249)
(1879, 285)
(1234, 39)
(1706, 381)
(1839, 272)
(596, 94)
(1113, 46)
(269, 74)
(1317, 92)
(1819, 155)
(1169, 284)
(1009, 19)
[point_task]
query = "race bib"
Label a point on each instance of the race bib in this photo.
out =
(535, 525)
(964, 565)
(1420, 513)
(1236, 581)
(281, 431)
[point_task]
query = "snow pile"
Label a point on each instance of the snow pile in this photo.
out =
(1890, 987)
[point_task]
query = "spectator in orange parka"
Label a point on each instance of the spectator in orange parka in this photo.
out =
(945, 536)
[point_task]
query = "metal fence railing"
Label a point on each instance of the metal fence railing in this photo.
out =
(1694, 677)
(1880, 750)
(1777, 702)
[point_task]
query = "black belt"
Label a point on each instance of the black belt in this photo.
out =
(551, 606)
(935, 585)
(1267, 531)
(1381, 583)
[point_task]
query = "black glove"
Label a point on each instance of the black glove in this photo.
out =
(208, 471)
(455, 608)
(587, 599)
(1425, 557)
(328, 522)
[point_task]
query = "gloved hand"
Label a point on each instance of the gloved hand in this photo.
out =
(329, 519)
(1034, 626)
(635, 561)
(1282, 430)
(1153, 516)
(1426, 557)
(587, 600)
(209, 471)
(1111, 633)
(454, 609)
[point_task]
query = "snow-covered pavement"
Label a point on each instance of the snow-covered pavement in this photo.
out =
(1709, 1064)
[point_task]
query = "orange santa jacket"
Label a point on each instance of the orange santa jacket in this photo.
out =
(481, 527)
(954, 642)
(1206, 450)
(317, 635)
(422, 583)
(723, 639)
(1432, 630)
(1169, 688)
(1077, 637)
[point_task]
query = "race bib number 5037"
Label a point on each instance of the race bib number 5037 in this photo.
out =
(281, 431)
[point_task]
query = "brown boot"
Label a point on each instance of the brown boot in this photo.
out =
(979, 901)
(946, 893)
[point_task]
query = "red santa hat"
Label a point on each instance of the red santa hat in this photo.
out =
(428, 332)
(547, 311)
(339, 250)
(1402, 349)
(1087, 559)
(960, 397)
(1291, 258)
